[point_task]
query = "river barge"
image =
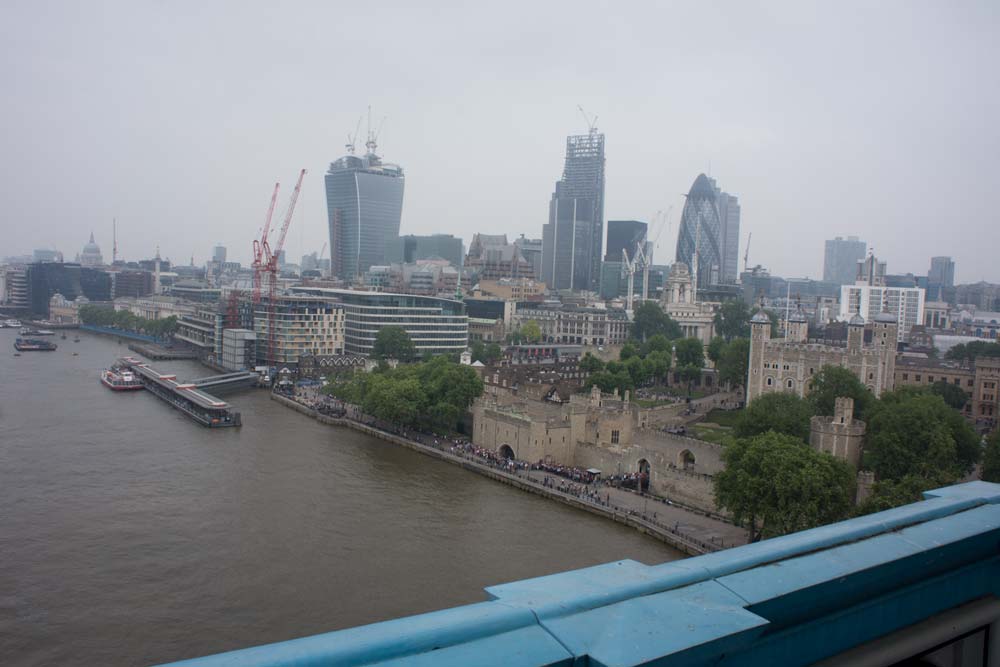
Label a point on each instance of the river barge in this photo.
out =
(33, 345)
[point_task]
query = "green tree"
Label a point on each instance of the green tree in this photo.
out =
(732, 320)
(393, 342)
(715, 349)
(734, 362)
(951, 393)
(493, 353)
(656, 343)
(659, 365)
(776, 485)
(690, 352)
(649, 320)
(639, 370)
(629, 350)
(968, 352)
(591, 364)
(780, 412)
(891, 493)
(915, 433)
(991, 459)
(531, 331)
(832, 382)
(609, 382)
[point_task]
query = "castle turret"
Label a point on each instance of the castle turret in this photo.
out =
(884, 339)
(797, 327)
(760, 334)
(856, 334)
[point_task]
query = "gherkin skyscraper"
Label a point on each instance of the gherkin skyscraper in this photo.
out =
(708, 239)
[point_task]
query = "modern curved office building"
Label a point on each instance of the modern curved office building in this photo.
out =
(364, 198)
(710, 221)
(434, 324)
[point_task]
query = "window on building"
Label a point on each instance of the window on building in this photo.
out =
(769, 382)
(906, 376)
(917, 377)
(790, 384)
(614, 437)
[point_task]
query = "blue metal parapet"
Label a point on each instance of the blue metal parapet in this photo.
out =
(792, 600)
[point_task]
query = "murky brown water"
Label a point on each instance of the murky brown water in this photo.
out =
(131, 536)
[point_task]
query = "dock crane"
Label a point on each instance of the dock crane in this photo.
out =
(265, 262)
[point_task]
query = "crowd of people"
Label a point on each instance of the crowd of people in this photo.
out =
(577, 482)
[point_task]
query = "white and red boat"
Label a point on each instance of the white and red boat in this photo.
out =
(120, 379)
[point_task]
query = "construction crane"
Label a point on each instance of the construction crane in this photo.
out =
(259, 262)
(591, 120)
(663, 223)
(271, 268)
(746, 255)
(629, 268)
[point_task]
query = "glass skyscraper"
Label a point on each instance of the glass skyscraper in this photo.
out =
(364, 199)
(701, 233)
(573, 237)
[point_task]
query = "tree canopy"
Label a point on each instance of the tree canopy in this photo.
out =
(951, 393)
(529, 332)
(832, 382)
(432, 394)
(969, 351)
(649, 320)
(780, 412)
(734, 362)
(690, 352)
(487, 354)
(103, 316)
(991, 459)
(915, 433)
(732, 320)
(393, 342)
(775, 485)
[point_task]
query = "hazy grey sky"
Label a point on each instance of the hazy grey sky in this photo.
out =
(877, 119)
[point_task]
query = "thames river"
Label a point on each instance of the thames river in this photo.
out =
(129, 535)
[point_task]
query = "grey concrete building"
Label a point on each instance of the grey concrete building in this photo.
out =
(410, 248)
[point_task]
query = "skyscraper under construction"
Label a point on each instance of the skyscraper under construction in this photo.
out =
(572, 238)
(364, 198)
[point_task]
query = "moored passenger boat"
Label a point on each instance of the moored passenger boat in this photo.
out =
(117, 378)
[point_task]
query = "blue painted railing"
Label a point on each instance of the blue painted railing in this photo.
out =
(131, 335)
(792, 600)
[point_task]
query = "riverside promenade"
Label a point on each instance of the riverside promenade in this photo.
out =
(685, 530)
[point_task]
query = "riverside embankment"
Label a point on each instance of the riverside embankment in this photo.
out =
(700, 534)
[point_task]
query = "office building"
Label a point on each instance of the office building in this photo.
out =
(531, 251)
(906, 304)
(491, 257)
(219, 254)
(940, 277)
(364, 198)
(435, 325)
(130, 282)
(45, 279)
(410, 248)
(573, 236)
(45, 255)
(624, 235)
(703, 235)
(840, 259)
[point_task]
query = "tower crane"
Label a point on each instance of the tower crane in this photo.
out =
(591, 120)
(628, 268)
(271, 268)
(746, 255)
(259, 261)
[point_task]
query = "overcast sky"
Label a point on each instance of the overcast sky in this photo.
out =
(873, 119)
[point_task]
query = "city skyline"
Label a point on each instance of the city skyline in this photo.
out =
(813, 162)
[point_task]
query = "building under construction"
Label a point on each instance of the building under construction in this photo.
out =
(572, 238)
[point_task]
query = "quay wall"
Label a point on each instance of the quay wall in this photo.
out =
(108, 331)
(680, 542)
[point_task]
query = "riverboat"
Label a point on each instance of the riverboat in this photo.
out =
(27, 331)
(33, 345)
(12, 324)
(117, 378)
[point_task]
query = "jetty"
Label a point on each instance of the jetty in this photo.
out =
(188, 397)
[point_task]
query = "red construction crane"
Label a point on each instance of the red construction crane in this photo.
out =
(259, 260)
(268, 262)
